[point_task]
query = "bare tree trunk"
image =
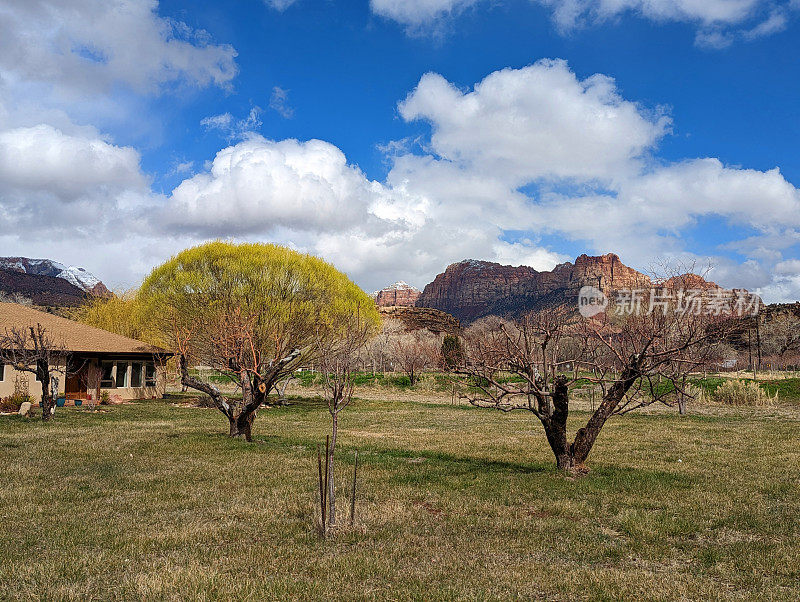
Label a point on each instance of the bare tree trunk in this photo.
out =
(555, 426)
(682, 397)
(241, 426)
(758, 342)
(585, 437)
(331, 479)
(48, 405)
(242, 422)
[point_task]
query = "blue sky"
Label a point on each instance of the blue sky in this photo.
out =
(394, 137)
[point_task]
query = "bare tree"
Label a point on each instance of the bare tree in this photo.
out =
(94, 379)
(339, 358)
(781, 336)
(34, 351)
(414, 351)
(635, 360)
(233, 346)
(381, 346)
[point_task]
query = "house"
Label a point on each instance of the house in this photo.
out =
(130, 369)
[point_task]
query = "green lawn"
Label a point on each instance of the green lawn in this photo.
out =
(152, 501)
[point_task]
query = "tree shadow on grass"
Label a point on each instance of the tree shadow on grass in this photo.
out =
(425, 467)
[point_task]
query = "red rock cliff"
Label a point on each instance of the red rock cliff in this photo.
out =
(472, 289)
(397, 294)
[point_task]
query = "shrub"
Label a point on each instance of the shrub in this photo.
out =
(743, 393)
(13, 402)
(401, 381)
(105, 398)
(452, 352)
(696, 394)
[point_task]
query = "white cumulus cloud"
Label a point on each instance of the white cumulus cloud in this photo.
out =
(42, 158)
(538, 121)
(259, 184)
(82, 46)
(416, 13)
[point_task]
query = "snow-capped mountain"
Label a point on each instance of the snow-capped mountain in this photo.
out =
(75, 275)
(399, 293)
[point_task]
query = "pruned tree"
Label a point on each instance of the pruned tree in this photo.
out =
(534, 363)
(339, 357)
(249, 311)
(32, 350)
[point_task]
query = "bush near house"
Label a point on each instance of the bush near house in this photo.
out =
(12, 403)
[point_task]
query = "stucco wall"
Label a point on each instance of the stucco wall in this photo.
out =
(9, 378)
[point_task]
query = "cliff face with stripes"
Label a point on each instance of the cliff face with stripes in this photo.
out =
(471, 289)
(397, 294)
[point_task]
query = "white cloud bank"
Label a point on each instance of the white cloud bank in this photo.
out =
(540, 121)
(66, 187)
(535, 149)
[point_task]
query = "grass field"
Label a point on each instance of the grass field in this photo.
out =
(153, 501)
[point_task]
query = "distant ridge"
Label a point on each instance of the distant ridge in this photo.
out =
(46, 282)
(472, 289)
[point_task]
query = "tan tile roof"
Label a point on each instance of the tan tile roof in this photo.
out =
(76, 337)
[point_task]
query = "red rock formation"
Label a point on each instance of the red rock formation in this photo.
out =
(468, 289)
(472, 289)
(397, 294)
(688, 282)
(416, 318)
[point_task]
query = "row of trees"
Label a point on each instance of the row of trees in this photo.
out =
(256, 312)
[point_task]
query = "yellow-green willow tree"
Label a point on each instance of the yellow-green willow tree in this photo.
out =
(254, 312)
(122, 314)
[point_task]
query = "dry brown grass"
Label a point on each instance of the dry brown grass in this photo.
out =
(147, 501)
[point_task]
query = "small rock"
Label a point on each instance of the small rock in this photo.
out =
(25, 408)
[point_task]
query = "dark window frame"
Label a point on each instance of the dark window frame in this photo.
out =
(150, 378)
(110, 382)
(124, 376)
(137, 375)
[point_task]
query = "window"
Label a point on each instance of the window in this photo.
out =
(2, 372)
(122, 374)
(150, 375)
(136, 375)
(107, 382)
